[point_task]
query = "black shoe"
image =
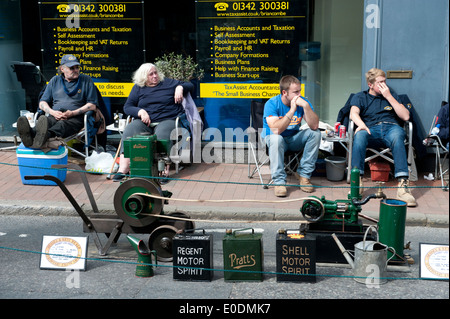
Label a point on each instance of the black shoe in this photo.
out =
(24, 130)
(41, 132)
(119, 177)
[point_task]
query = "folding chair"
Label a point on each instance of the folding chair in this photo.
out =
(385, 153)
(188, 131)
(439, 150)
(255, 154)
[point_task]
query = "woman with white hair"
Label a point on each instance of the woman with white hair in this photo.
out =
(155, 103)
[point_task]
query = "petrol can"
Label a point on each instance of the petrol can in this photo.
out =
(243, 255)
(193, 256)
(295, 256)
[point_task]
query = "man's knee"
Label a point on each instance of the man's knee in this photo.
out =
(361, 138)
(315, 135)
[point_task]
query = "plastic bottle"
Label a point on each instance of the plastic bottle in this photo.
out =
(435, 130)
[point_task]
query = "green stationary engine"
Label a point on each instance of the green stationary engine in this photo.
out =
(139, 200)
(338, 214)
(147, 155)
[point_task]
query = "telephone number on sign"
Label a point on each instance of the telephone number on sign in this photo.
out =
(261, 6)
(116, 7)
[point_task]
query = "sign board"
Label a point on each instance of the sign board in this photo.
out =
(193, 257)
(59, 252)
(434, 261)
(106, 37)
(249, 42)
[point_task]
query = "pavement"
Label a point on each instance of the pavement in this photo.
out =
(216, 191)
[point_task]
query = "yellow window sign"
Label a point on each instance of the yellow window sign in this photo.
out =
(241, 90)
(114, 89)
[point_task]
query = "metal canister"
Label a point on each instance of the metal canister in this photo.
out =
(392, 225)
(296, 256)
(243, 255)
(193, 256)
(336, 128)
(342, 131)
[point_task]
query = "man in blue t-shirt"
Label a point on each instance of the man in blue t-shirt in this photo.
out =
(283, 115)
(71, 94)
(378, 116)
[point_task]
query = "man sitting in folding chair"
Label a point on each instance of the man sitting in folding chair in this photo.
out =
(72, 94)
(378, 115)
(281, 132)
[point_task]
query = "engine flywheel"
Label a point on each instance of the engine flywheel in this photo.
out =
(138, 210)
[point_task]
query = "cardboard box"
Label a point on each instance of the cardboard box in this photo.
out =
(34, 162)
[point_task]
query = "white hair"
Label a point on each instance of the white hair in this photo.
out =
(141, 74)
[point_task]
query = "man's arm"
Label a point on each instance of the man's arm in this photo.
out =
(311, 118)
(279, 125)
(356, 118)
(85, 108)
(43, 105)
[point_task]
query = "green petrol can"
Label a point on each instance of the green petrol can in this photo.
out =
(391, 226)
(243, 255)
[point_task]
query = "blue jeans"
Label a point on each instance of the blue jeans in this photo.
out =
(306, 140)
(382, 135)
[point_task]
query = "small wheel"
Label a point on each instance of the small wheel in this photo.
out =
(185, 225)
(312, 211)
(161, 240)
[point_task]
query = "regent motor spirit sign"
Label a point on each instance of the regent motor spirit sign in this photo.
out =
(252, 43)
(106, 37)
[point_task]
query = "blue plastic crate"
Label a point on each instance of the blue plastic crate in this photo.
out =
(34, 162)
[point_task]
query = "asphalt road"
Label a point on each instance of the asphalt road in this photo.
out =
(114, 278)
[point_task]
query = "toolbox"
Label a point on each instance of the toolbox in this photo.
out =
(34, 162)
(193, 256)
(243, 255)
(295, 256)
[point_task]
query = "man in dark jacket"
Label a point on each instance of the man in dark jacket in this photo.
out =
(71, 94)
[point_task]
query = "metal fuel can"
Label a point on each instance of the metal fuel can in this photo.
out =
(295, 256)
(243, 255)
(193, 256)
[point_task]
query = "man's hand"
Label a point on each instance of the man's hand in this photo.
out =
(361, 128)
(384, 89)
(58, 115)
(299, 101)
